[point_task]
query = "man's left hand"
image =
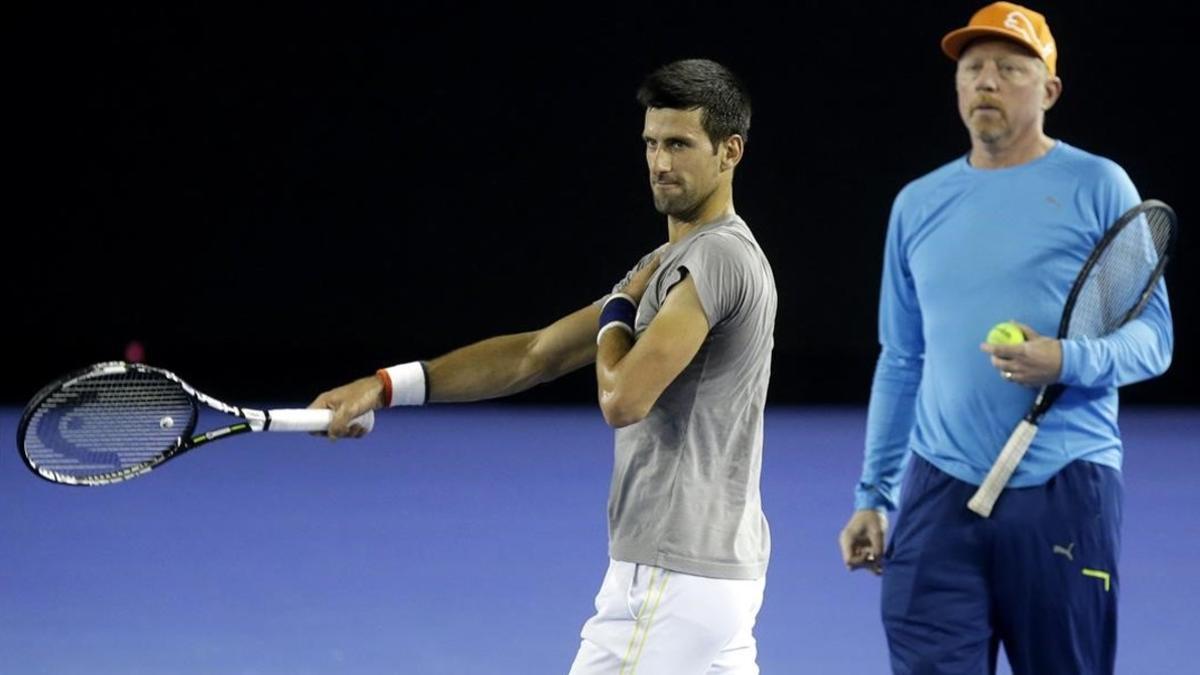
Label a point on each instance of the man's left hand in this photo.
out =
(1034, 363)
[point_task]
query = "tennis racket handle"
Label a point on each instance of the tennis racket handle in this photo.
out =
(312, 419)
(993, 484)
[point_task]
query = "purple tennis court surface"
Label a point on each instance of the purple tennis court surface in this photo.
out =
(471, 540)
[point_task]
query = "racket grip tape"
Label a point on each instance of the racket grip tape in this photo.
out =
(984, 499)
(312, 419)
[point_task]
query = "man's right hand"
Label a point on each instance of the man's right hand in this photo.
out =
(636, 287)
(862, 540)
(348, 402)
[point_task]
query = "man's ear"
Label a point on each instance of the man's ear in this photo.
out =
(1052, 92)
(732, 149)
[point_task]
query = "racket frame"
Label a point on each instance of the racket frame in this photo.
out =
(254, 421)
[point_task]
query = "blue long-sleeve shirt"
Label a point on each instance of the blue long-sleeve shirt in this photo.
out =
(967, 248)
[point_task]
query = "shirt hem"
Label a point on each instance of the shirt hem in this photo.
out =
(700, 568)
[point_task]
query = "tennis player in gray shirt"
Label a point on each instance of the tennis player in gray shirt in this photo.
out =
(682, 352)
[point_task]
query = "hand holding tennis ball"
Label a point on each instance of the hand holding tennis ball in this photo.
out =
(1005, 333)
(1023, 356)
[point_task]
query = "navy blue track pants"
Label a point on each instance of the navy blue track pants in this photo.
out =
(1038, 577)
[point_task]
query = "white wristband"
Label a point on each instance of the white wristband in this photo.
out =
(404, 384)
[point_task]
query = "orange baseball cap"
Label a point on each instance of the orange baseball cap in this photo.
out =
(1007, 21)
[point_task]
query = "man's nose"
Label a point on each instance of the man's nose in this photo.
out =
(988, 77)
(660, 162)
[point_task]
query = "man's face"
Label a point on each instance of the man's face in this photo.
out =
(684, 169)
(1002, 90)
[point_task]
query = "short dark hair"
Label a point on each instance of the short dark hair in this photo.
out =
(704, 84)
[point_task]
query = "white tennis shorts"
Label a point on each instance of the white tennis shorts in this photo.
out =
(651, 621)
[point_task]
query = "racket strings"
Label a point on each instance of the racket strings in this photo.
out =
(1122, 274)
(107, 423)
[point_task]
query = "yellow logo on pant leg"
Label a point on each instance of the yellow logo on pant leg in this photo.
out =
(1099, 575)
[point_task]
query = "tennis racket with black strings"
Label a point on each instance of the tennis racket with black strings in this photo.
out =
(1113, 287)
(114, 420)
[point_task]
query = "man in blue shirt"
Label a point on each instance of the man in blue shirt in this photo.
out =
(999, 234)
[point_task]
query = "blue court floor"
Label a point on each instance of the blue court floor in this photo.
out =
(471, 539)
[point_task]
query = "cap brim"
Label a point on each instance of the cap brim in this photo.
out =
(957, 40)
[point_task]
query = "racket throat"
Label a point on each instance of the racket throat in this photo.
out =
(201, 439)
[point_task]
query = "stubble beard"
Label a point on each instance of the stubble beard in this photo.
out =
(674, 205)
(992, 132)
(989, 131)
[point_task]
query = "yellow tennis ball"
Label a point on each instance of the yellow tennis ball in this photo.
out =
(1005, 333)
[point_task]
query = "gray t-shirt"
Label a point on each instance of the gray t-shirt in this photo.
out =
(685, 487)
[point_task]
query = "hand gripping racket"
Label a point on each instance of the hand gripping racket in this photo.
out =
(113, 421)
(1111, 289)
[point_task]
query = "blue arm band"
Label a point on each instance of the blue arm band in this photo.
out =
(619, 309)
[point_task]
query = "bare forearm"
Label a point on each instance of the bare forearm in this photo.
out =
(508, 364)
(488, 369)
(631, 376)
(612, 349)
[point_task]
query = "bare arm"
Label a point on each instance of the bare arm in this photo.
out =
(505, 365)
(631, 376)
(491, 368)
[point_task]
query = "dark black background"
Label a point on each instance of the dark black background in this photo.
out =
(275, 201)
